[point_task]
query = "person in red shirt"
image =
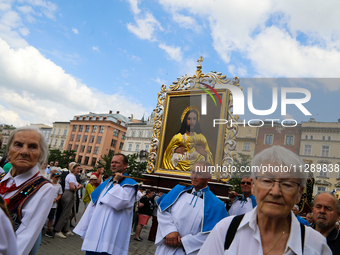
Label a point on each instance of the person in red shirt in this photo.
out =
(98, 174)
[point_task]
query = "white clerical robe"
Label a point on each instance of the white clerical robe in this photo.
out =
(106, 226)
(185, 218)
(240, 207)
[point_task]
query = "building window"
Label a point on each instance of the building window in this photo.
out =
(150, 133)
(81, 127)
(65, 131)
(289, 140)
(87, 128)
(56, 141)
(75, 128)
(85, 139)
(325, 151)
(111, 152)
(130, 147)
(247, 146)
(113, 143)
(92, 139)
(101, 129)
(90, 118)
(96, 150)
(62, 143)
(306, 137)
(307, 150)
(121, 146)
(78, 138)
(116, 132)
(53, 132)
(311, 137)
(133, 133)
(140, 133)
(104, 118)
(147, 147)
(76, 147)
(82, 148)
(70, 147)
(80, 159)
(124, 135)
(97, 118)
(94, 129)
(72, 137)
(321, 189)
(89, 149)
(137, 147)
(119, 122)
(323, 137)
(269, 139)
(59, 131)
(86, 160)
(99, 139)
(329, 138)
(93, 161)
(51, 141)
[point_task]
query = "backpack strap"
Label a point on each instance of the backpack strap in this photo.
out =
(232, 231)
(302, 227)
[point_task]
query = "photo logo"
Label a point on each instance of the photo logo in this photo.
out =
(204, 98)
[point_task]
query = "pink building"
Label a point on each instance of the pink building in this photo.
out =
(94, 135)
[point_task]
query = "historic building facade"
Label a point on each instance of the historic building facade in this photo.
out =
(59, 135)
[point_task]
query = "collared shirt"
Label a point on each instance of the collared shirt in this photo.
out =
(241, 205)
(247, 239)
(34, 211)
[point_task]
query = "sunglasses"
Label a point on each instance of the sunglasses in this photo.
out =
(243, 183)
(56, 175)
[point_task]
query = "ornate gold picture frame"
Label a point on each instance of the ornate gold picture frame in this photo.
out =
(205, 94)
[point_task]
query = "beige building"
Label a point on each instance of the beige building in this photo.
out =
(94, 135)
(59, 135)
(138, 139)
(45, 130)
(5, 130)
(320, 146)
(246, 140)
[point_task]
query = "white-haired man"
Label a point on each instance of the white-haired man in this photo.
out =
(296, 210)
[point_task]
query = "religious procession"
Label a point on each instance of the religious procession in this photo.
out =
(197, 205)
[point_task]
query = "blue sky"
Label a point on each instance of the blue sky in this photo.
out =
(62, 58)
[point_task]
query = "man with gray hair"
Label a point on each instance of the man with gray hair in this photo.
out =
(247, 201)
(296, 210)
(310, 219)
(326, 212)
(182, 229)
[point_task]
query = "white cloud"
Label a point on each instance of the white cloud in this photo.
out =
(28, 90)
(95, 48)
(47, 8)
(134, 6)
(174, 53)
(145, 27)
(186, 22)
(74, 30)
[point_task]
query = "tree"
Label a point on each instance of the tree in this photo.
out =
(241, 160)
(64, 158)
(135, 168)
(105, 161)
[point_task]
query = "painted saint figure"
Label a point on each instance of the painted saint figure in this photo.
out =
(189, 145)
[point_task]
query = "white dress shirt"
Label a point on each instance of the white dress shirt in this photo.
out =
(34, 211)
(247, 239)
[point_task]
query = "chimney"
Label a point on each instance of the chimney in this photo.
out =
(110, 112)
(117, 112)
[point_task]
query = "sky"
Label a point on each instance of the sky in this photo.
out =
(59, 59)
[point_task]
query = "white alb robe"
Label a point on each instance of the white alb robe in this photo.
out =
(106, 226)
(240, 207)
(184, 218)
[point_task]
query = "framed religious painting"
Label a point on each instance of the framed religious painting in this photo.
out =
(194, 122)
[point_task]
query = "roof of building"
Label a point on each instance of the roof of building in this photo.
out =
(114, 117)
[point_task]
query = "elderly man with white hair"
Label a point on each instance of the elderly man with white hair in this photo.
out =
(187, 214)
(296, 210)
(271, 227)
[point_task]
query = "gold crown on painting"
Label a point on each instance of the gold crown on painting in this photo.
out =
(190, 108)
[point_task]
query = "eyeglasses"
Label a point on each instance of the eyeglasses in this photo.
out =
(243, 183)
(285, 185)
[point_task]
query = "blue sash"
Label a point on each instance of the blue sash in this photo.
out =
(214, 209)
(124, 182)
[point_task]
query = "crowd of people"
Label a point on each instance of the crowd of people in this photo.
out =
(188, 219)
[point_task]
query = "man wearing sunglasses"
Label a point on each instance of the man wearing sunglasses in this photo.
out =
(246, 202)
